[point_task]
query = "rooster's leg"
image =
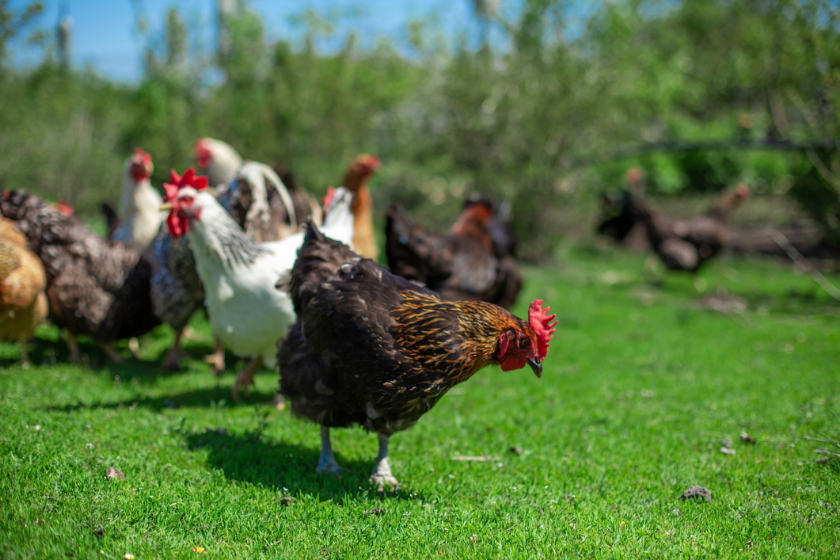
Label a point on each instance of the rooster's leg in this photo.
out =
(326, 462)
(217, 358)
(381, 475)
(245, 378)
(110, 352)
(174, 354)
(24, 354)
(73, 346)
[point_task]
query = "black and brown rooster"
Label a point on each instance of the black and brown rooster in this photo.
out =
(373, 349)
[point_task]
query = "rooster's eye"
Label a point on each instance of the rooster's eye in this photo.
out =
(524, 343)
(187, 199)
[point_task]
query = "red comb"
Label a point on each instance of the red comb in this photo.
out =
(328, 197)
(143, 154)
(202, 153)
(542, 326)
(177, 182)
(369, 160)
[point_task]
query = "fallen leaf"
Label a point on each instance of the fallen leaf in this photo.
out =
(697, 492)
(515, 450)
(113, 473)
(286, 501)
(475, 458)
(676, 511)
(727, 451)
(128, 556)
(199, 550)
(747, 438)
(374, 511)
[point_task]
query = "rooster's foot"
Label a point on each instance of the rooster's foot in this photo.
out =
(24, 355)
(245, 378)
(217, 359)
(173, 360)
(381, 475)
(111, 353)
(326, 462)
(329, 468)
(383, 482)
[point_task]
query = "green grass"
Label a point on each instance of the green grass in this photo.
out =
(641, 386)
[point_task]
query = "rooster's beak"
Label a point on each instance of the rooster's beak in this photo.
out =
(166, 207)
(536, 365)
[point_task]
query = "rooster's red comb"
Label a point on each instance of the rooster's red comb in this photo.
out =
(369, 160)
(177, 182)
(142, 154)
(541, 323)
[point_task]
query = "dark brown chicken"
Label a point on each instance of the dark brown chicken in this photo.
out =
(682, 245)
(373, 349)
(94, 286)
(474, 261)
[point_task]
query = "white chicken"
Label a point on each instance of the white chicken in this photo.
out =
(247, 311)
(140, 214)
(218, 160)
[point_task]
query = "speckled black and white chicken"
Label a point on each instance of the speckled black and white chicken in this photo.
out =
(95, 286)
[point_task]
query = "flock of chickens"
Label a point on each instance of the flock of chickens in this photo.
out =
(284, 281)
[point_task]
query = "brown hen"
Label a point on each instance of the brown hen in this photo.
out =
(23, 304)
(474, 261)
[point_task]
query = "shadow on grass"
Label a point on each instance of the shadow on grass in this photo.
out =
(49, 349)
(287, 468)
(211, 396)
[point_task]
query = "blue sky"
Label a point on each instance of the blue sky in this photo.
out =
(105, 36)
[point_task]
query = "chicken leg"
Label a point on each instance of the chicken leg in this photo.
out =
(217, 358)
(110, 352)
(381, 475)
(73, 346)
(24, 354)
(326, 462)
(245, 378)
(174, 354)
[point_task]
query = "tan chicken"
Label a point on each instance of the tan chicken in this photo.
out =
(356, 181)
(23, 304)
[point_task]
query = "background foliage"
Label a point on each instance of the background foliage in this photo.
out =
(537, 114)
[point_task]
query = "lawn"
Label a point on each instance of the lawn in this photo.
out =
(646, 391)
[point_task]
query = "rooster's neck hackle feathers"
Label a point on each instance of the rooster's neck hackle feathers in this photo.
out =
(454, 338)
